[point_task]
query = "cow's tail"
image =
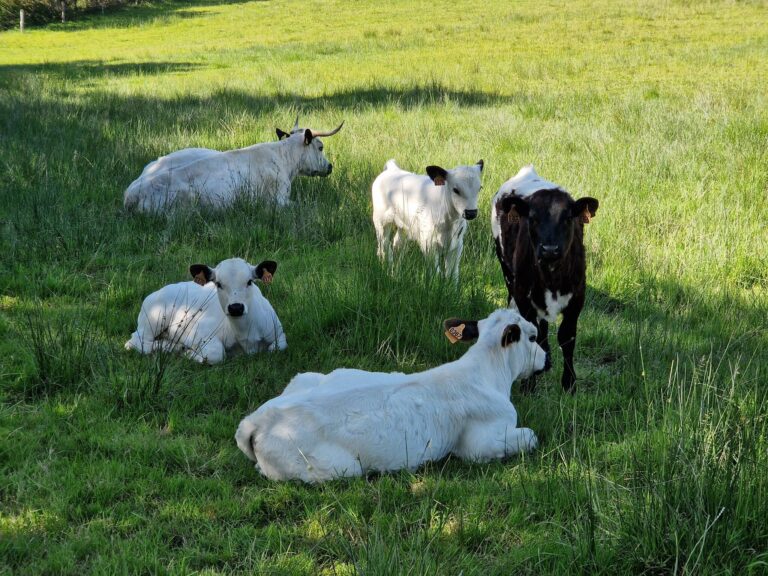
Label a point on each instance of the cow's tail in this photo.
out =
(244, 438)
(391, 165)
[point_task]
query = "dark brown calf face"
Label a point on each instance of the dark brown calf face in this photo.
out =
(552, 217)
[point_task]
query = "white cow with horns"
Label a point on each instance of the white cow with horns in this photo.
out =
(349, 422)
(220, 311)
(216, 179)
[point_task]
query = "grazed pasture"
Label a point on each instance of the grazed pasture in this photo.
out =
(113, 463)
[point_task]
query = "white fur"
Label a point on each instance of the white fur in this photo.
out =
(410, 205)
(554, 305)
(194, 319)
(350, 421)
(524, 183)
(215, 178)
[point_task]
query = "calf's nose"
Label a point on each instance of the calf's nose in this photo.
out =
(330, 169)
(549, 252)
(470, 214)
(236, 309)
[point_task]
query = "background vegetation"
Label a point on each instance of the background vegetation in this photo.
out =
(44, 11)
(115, 463)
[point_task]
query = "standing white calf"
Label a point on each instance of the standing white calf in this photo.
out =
(432, 210)
(216, 179)
(351, 421)
(220, 310)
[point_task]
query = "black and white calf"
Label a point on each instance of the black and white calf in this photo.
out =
(539, 230)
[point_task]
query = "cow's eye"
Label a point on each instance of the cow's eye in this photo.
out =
(218, 285)
(532, 338)
(320, 147)
(250, 282)
(456, 191)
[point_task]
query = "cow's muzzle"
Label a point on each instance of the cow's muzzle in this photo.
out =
(470, 214)
(550, 253)
(236, 309)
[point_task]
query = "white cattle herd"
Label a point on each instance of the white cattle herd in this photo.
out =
(351, 422)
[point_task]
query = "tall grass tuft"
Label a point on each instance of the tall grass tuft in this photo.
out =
(63, 351)
(700, 479)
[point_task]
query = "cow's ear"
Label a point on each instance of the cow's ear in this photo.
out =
(481, 164)
(265, 271)
(510, 335)
(437, 175)
(460, 330)
(308, 137)
(513, 206)
(202, 274)
(585, 208)
(280, 134)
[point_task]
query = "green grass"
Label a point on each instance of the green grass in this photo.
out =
(115, 463)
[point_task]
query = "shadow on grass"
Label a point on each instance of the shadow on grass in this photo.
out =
(90, 70)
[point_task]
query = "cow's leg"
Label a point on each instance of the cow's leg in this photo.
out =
(485, 441)
(509, 277)
(280, 344)
(141, 342)
(397, 240)
(384, 240)
(566, 338)
(528, 312)
(211, 352)
(543, 340)
(452, 261)
(283, 196)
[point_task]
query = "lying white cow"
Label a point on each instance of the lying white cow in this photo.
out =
(221, 310)
(431, 210)
(351, 421)
(216, 179)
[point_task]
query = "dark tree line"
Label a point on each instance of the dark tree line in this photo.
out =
(43, 11)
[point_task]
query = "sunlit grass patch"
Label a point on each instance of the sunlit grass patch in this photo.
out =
(116, 462)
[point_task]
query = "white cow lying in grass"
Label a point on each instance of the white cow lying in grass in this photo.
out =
(222, 309)
(432, 210)
(350, 421)
(216, 179)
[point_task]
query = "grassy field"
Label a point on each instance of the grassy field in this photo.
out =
(112, 463)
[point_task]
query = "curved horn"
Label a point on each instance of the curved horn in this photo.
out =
(295, 124)
(331, 133)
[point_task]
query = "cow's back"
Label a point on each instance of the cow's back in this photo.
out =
(182, 309)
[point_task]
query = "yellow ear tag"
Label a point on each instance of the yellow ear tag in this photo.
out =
(199, 278)
(454, 333)
(266, 277)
